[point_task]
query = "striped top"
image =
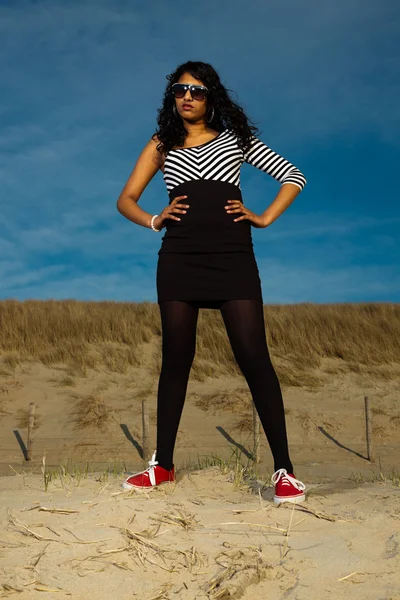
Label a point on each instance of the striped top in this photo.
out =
(221, 158)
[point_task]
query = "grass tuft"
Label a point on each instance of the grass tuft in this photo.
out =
(91, 411)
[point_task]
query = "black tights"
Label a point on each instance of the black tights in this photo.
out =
(244, 322)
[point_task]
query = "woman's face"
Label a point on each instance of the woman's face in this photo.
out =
(188, 108)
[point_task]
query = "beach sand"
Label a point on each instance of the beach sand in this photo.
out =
(200, 537)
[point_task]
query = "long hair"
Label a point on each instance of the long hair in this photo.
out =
(227, 113)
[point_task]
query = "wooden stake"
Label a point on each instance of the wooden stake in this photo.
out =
(256, 434)
(368, 429)
(145, 431)
(31, 423)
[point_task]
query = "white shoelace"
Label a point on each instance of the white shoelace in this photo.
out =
(287, 479)
(150, 470)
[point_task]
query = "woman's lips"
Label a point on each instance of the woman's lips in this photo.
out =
(186, 106)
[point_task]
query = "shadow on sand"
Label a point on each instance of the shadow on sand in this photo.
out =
(332, 439)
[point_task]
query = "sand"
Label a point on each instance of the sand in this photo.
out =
(201, 537)
(326, 426)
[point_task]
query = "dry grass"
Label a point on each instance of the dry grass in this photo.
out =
(66, 381)
(244, 424)
(11, 359)
(395, 419)
(91, 411)
(179, 517)
(391, 476)
(3, 410)
(379, 410)
(9, 384)
(110, 335)
(5, 372)
(380, 432)
(234, 401)
(306, 421)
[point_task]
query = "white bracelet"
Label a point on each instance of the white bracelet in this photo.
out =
(152, 223)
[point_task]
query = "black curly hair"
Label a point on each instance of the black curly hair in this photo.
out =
(227, 114)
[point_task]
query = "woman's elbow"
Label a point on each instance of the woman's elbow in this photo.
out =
(119, 204)
(123, 202)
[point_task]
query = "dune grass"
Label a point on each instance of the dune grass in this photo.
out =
(243, 471)
(116, 336)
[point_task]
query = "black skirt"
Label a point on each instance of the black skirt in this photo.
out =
(208, 279)
(207, 257)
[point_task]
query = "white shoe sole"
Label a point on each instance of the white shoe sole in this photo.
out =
(129, 486)
(293, 499)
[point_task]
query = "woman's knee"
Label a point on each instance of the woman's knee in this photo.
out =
(254, 358)
(178, 360)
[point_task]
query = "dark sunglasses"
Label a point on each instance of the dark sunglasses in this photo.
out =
(198, 92)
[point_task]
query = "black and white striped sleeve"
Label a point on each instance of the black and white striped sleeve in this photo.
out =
(261, 156)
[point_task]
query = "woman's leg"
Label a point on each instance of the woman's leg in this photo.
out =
(179, 323)
(244, 322)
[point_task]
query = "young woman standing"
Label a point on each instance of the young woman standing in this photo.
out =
(206, 258)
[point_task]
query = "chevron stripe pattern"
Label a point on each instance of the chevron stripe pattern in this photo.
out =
(221, 158)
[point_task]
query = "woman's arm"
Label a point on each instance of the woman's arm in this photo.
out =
(147, 165)
(293, 181)
(264, 158)
(283, 200)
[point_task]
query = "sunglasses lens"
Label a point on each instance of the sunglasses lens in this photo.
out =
(179, 90)
(198, 93)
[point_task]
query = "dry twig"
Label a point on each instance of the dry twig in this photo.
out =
(22, 528)
(62, 511)
(313, 512)
(35, 561)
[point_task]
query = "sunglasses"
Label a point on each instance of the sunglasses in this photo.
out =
(198, 92)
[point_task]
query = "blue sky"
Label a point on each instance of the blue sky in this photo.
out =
(80, 88)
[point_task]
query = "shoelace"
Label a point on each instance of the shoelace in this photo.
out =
(150, 470)
(282, 473)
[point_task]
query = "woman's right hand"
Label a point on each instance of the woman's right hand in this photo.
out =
(169, 212)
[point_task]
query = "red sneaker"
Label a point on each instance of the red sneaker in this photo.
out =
(151, 477)
(287, 487)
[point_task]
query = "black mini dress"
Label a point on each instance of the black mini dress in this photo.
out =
(207, 257)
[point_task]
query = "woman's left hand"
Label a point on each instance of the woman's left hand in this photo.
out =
(236, 206)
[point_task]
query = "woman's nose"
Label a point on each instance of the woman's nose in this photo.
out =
(188, 96)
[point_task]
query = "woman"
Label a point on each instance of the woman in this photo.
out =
(206, 259)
